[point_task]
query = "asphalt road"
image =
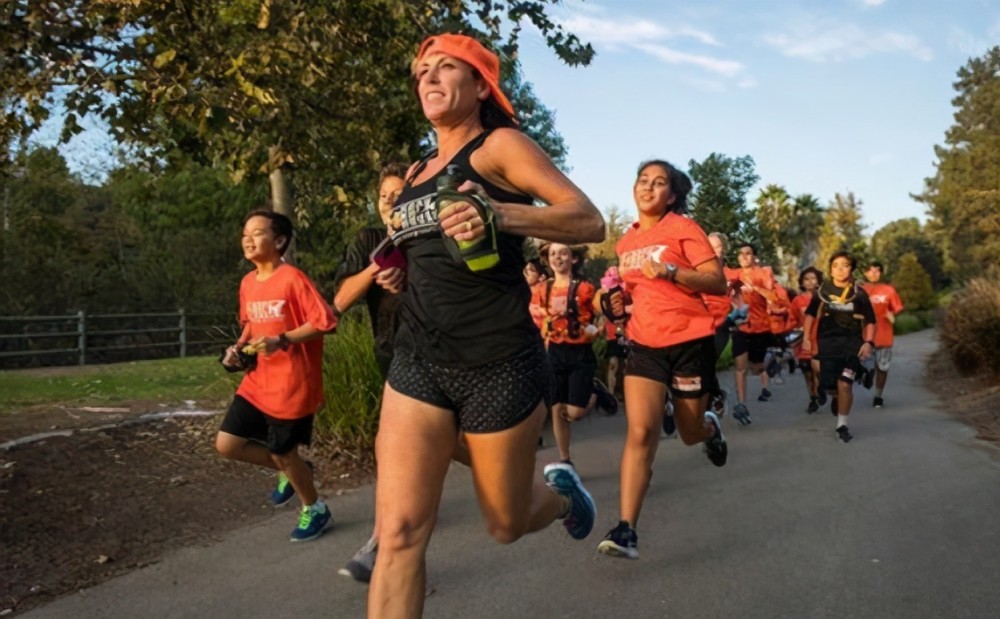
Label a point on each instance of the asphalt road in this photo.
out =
(902, 522)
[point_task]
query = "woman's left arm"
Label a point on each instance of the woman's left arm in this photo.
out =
(706, 277)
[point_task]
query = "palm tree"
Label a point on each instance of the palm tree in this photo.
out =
(804, 230)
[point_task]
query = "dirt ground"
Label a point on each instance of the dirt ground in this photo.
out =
(76, 510)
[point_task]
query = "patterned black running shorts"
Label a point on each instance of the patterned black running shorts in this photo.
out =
(488, 398)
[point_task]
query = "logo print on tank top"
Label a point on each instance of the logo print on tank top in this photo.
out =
(412, 219)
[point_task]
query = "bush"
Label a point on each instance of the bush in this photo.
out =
(971, 328)
(352, 384)
(910, 322)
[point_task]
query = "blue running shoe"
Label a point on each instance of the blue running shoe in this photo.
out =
(283, 492)
(562, 478)
(741, 414)
(311, 524)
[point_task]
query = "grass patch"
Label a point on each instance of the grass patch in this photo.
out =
(167, 381)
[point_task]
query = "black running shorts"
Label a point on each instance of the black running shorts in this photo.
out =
(281, 436)
(573, 367)
(487, 398)
(754, 344)
(688, 369)
(838, 361)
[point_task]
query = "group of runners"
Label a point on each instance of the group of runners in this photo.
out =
(476, 359)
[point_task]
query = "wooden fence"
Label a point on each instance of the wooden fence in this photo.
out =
(83, 338)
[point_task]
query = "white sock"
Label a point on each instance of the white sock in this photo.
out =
(841, 420)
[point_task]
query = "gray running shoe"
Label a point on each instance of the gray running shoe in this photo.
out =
(741, 414)
(362, 564)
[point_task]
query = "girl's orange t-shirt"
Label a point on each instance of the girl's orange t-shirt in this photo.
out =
(664, 313)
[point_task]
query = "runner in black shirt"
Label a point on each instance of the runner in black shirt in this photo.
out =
(467, 355)
(845, 335)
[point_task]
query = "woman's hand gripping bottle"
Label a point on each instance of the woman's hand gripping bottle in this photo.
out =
(480, 254)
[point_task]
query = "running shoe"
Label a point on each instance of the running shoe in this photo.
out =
(606, 400)
(669, 425)
(283, 491)
(720, 403)
(878, 402)
(813, 406)
(715, 446)
(311, 524)
(562, 478)
(773, 367)
(621, 542)
(778, 380)
(362, 564)
(741, 414)
(844, 434)
(821, 398)
(765, 395)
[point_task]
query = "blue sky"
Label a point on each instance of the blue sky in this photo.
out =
(826, 96)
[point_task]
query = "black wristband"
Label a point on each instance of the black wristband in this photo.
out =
(283, 342)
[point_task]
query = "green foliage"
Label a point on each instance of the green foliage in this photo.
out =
(719, 202)
(842, 230)
(913, 283)
(904, 236)
(963, 197)
(971, 328)
(166, 381)
(352, 384)
(910, 322)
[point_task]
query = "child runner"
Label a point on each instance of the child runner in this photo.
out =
(284, 319)
(887, 305)
(845, 336)
(809, 280)
(667, 264)
(566, 304)
(614, 332)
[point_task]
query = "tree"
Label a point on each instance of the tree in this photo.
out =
(913, 283)
(719, 202)
(262, 87)
(903, 236)
(842, 230)
(774, 216)
(963, 197)
(804, 229)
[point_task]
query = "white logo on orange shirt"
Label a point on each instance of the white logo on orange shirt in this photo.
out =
(879, 299)
(634, 259)
(266, 311)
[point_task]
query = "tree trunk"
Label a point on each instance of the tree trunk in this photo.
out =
(281, 193)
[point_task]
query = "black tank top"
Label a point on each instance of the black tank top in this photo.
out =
(449, 315)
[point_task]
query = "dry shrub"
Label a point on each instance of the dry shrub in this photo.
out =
(971, 328)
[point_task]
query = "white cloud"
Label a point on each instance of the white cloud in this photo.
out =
(823, 41)
(873, 2)
(880, 158)
(650, 37)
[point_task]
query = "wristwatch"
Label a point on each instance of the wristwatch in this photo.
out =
(671, 272)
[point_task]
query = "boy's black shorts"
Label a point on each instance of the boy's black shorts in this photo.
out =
(573, 368)
(754, 344)
(281, 436)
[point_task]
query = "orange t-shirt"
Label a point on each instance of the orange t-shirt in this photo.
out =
(884, 298)
(287, 384)
(664, 313)
(799, 305)
(757, 288)
(719, 305)
(553, 311)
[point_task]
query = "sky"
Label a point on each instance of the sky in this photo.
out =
(827, 96)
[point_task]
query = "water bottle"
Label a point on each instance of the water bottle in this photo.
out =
(482, 253)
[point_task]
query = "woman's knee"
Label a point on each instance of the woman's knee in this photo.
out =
(403, 532)
(228, 446)
(508, 528)
(574, 413)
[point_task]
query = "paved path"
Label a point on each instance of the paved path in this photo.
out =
(902, 522)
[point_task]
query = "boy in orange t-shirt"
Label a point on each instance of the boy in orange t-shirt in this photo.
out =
(887, 304)
(284, 319)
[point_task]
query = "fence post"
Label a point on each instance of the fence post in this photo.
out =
(81, 328)
(183, 334)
